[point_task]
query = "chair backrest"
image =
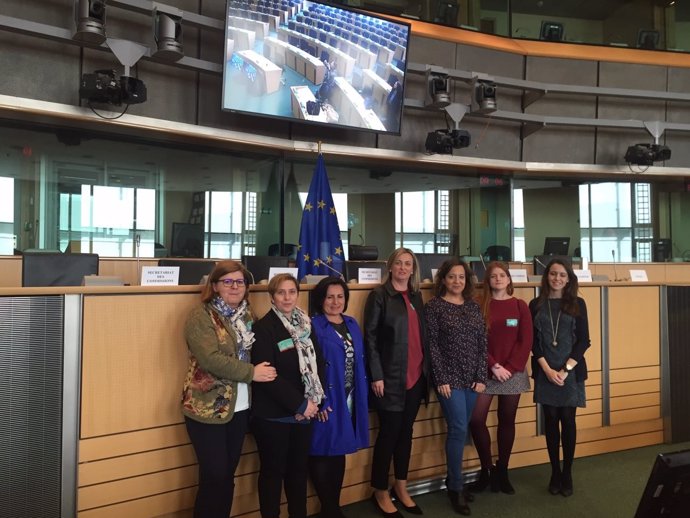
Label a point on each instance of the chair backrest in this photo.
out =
(498, 253)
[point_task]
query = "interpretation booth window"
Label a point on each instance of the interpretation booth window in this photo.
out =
(7, 240)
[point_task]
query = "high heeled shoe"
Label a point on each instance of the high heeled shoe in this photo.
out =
(555, 484)
(412, 509)
(459, 503)
(385, 514)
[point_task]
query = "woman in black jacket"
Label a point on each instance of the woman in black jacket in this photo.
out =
(282, 409)
(395, 342)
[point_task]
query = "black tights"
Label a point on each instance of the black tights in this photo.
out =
(567, 436)
(507, 410)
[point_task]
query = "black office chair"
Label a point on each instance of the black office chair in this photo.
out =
(498, 253)
(289, 249)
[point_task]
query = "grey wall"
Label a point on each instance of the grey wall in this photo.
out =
(40, 69)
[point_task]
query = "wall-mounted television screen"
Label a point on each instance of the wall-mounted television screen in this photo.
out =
(313, 62)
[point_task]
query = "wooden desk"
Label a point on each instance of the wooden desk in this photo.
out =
(244, 38)
(379, 87)
(300, 95)
(268, 71)
(350, 106)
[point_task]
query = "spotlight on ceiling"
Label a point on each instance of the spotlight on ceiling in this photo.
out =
(89, 16)
(167, 31)
(485, 93)
(443, 141)
(647, 154)
(438, 90)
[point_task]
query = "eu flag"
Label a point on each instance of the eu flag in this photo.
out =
(320, 250)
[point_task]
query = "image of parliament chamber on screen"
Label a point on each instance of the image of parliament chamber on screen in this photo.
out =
(312, 62)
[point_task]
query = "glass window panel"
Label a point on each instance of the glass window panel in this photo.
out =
(610, 205)
(146, 209)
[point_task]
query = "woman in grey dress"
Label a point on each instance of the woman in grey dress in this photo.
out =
(561, 337)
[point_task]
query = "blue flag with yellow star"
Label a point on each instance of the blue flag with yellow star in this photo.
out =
(320, 250)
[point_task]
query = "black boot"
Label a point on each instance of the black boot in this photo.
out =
(555, 482)
(494, 481)
(480, 484)
(567, 484)
(458, 502)
(503, 482)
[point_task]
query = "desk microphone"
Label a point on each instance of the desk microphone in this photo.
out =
(615, 272)
(324, 263)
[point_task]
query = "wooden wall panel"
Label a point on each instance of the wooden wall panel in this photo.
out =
(136, 460)
(634, 340)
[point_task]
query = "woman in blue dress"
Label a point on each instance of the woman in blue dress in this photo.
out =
(342, 426)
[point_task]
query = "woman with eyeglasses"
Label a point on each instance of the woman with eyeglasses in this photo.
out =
(215, 396)
(283, 410)
(561, 337)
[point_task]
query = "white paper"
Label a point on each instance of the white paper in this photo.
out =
(518, 274)
(160, 275)
(583, 275)
(638, 276)
(433, 274)
(369, 275)
(274, 270)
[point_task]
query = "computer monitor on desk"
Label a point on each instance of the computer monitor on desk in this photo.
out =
(57, 269)
(428, 262)
(260, 265)
(191, 271)
(556, 245)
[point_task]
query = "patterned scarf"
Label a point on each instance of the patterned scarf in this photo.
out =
(299, 328)
(236, 316)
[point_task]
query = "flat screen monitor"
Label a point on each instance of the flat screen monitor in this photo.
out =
(315, 63)
(662, 250)
(556, 245)
(352, 268)
(551, 31)
(56, 269)
(260, 265)
(428, 262)
(187, 240)
(542, 261)
(667, 493)
(191, 272)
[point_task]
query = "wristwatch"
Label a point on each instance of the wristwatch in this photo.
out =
(567, 367)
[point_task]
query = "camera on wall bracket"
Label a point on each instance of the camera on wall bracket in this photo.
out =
(103, 86)
(444, 141)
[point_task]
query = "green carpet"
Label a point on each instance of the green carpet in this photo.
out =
(606, 486)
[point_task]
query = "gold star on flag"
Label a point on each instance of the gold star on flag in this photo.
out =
(317, 262)
(306, 258)
(308, 206)
(299, 247)
(329, 259)
(321, 204)
(333, 210)
(338, 251)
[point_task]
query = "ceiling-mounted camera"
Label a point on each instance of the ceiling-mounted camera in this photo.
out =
(444, 141)
(647, 154)
(438, 90)
(103, 86)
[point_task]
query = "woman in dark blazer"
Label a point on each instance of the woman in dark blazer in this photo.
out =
(395, 341)
(282, 410)
(342, 426)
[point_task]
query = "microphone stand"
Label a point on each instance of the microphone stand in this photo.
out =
(615, 272)
(324, 263)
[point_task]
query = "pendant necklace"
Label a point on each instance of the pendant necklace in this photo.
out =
(554, 330)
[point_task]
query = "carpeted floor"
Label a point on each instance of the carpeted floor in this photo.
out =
(606, 486)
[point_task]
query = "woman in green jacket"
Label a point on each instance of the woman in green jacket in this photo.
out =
(215, 396)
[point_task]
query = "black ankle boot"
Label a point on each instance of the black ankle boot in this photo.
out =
(480, 484)
(504, 484)
(567, 484)
(494, 481)
(555, 483)
(457, 501)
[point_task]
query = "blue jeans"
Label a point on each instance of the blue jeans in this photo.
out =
(457, 410)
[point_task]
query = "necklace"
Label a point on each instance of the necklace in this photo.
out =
(554, 330)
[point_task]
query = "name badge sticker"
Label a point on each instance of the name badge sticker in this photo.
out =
(511, 322)
(286, 345)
